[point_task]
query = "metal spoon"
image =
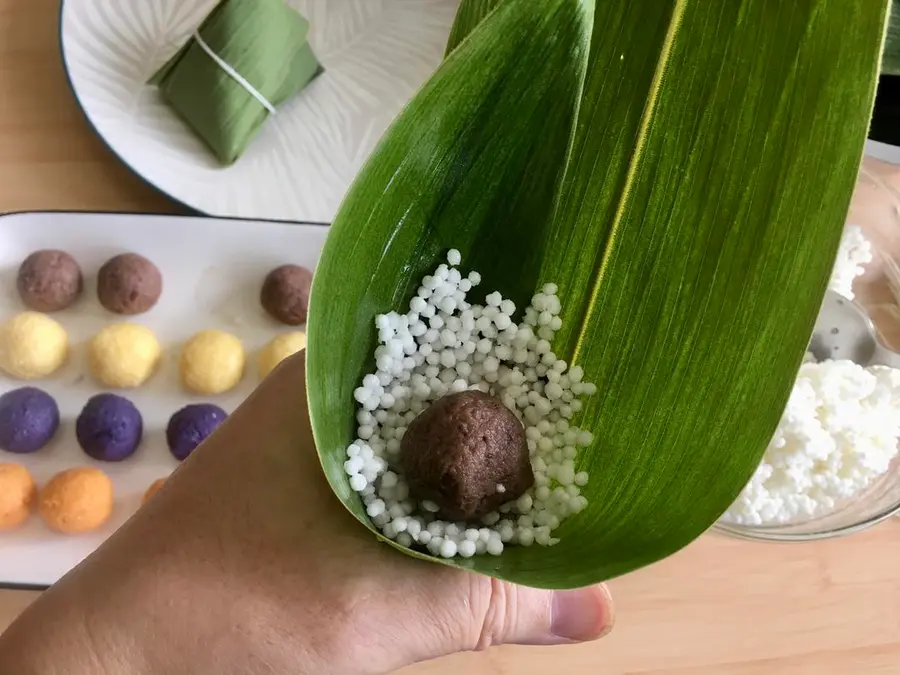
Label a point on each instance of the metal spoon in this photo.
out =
(845, 331)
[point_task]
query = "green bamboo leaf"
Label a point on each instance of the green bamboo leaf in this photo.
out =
(265, 41)
(691, 225)
(468, 16)
(890, 62)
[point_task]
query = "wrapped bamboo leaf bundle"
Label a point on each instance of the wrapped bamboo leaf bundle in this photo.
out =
(243, 61)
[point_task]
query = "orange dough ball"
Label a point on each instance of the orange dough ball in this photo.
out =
(77, 500)
(153, 489)
(17, 493)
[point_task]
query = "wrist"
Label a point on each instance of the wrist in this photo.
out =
(61, 633)
(137, 607)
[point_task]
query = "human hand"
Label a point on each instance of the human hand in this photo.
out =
(245, 562)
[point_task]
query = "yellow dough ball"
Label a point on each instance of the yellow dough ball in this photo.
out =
(77, 500)
(278, 349)
(17, 493)
(212, 362)
(123, 355)
(32, 345)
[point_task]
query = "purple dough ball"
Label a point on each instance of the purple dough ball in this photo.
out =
(29, 417)
(109, 428)
(189, 426)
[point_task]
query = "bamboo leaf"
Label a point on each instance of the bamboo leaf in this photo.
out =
(690, 215)
(890, 62)
(468, 16)
(263, 40)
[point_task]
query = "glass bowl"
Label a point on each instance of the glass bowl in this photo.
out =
(875, 208)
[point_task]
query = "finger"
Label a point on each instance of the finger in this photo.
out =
(528, 616)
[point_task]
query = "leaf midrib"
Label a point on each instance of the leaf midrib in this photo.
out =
(631, 175)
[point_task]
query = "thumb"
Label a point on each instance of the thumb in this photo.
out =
(421, 612)
(448, 611)
(434, 612)
(503, 613)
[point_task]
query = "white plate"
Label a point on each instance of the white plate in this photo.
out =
(376, 53)
(211, 279)
(883, 151)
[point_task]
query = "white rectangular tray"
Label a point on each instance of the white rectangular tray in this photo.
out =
(212, 273)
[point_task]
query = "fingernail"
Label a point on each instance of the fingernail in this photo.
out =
(581, 615)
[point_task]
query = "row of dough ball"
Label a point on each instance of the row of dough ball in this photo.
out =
(109, 427)
(51, 280)
(125, 355)
(73, 501)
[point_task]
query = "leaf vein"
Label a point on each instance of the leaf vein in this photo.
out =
(634, 164)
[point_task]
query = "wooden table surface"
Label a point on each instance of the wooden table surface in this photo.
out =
(722, 607)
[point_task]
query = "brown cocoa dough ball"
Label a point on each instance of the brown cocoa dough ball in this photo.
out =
(128, 284)
(49, 281)
(285, 294)
(467, 453)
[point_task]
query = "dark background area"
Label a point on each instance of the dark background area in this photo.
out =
(886, 119)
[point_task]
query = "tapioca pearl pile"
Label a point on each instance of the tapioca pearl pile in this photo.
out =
(837, 436)
(444, 344)
(854, 253)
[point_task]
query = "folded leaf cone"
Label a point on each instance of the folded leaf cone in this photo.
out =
(682, 170)
(265, 43)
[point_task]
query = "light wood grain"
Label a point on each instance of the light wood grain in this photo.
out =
(722, 607)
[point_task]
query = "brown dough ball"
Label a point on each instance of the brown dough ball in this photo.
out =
(77, 500)
(128, 284)
(17, 494)
(467, 453)
(285, 294)
(49, 281)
